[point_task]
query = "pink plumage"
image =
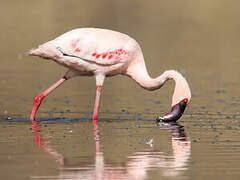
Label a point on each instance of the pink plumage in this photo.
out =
(102, 53)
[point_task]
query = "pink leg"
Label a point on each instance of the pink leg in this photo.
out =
(96, 104)
(38, 99)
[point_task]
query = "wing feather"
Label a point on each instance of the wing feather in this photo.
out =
(99, 46)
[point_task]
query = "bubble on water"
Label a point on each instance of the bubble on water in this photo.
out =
(150, 142)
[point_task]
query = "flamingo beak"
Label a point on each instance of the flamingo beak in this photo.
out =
(175, 113)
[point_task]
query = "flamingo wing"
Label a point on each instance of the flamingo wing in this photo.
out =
(99, 46)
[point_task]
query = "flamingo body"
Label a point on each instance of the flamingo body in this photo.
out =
(103, 53)
(91, 51)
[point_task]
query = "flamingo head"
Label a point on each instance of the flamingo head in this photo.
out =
(181, 98)
(175, 113)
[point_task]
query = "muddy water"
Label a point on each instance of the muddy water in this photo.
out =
(199, 39)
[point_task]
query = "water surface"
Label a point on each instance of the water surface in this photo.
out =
(199, 39)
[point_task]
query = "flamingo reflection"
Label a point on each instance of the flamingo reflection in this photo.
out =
(45, 145)
(137, 165)
(168, 165)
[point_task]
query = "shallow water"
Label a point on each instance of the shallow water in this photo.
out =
(120, 149)
(199, 39)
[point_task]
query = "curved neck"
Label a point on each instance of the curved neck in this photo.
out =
(139, 73)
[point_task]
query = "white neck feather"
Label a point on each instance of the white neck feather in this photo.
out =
(139, 73)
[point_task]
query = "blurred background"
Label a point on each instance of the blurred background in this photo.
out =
(198, 38)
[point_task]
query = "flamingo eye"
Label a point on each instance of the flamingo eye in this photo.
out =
(186, 100)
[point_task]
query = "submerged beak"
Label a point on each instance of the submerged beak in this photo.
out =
(176, 112)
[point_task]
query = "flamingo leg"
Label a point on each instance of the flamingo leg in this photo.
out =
(38, 99)
(96, 104)
(96, 136)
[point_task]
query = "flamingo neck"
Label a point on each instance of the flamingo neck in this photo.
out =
(139, 73)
